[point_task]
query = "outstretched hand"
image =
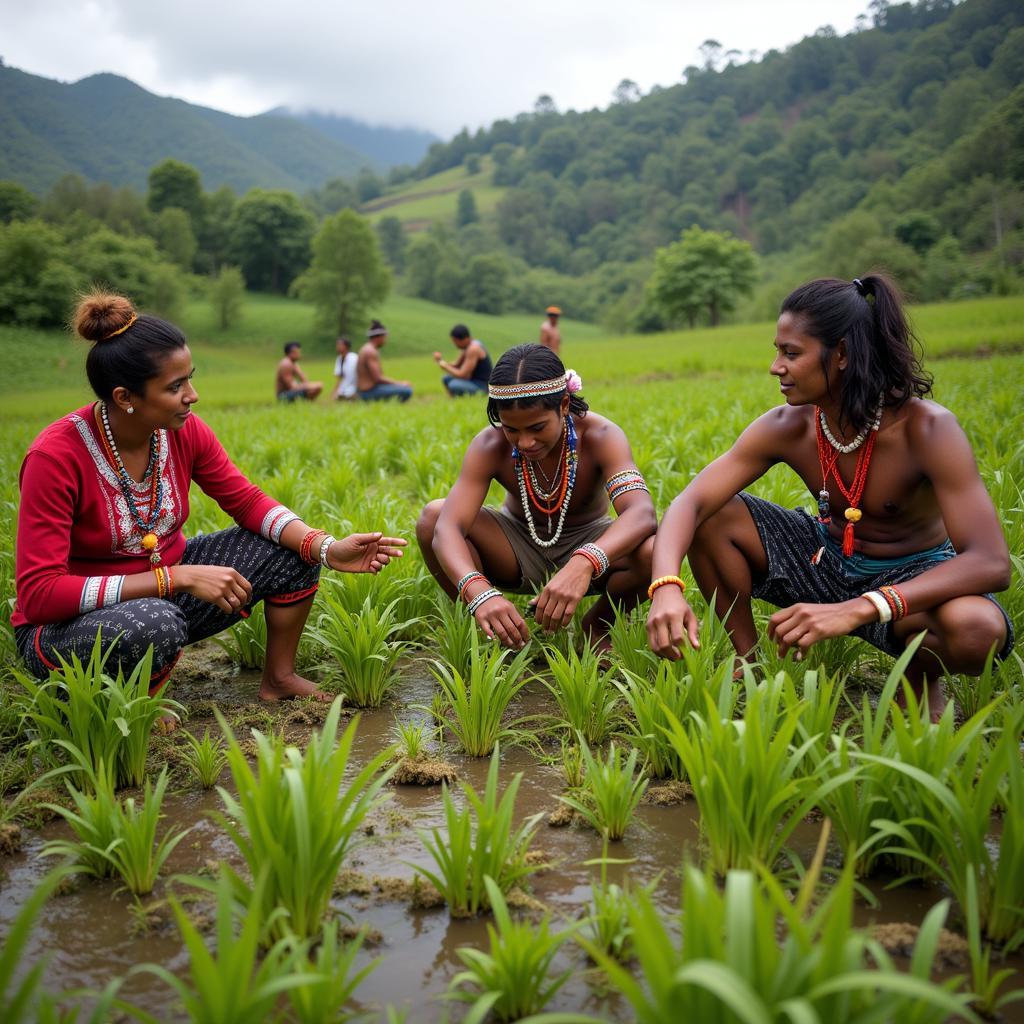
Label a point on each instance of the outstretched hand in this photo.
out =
(671, 622)
(364, 552)
(801, 625)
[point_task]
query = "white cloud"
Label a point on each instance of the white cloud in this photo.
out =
(436, 65)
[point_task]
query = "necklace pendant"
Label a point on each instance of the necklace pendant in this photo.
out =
(154, 558)
(824, 507)
(549, 524)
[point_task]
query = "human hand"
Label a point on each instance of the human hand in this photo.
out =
(499, 618)
(802, 625)
(437, 357)
(555, 605)
(364, 552)
(221, 585)
(670, 621)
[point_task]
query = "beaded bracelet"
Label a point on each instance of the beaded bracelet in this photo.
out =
(483, 596)
(881, 605)
(896, 601)
(170, 582)
(164, 584)
(470, 577)
(306, 546)
(662, 581)
(325, 548)
(596, 556)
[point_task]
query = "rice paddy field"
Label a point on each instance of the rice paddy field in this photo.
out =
(471, 835)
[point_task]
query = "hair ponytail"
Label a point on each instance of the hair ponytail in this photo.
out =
(881, 348)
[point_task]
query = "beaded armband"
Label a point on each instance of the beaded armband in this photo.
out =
(482, 597)
(625, 481)
(470, 577)
(595, 556)
(663, 581)
(275, 521)
(100, 592)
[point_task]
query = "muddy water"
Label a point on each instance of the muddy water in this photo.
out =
(92, 934)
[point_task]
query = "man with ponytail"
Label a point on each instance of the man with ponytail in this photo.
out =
(560, 465)
(104, 501)
(906, 539)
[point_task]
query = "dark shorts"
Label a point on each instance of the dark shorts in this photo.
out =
(791, 537)
(292, 394)
(277, 575)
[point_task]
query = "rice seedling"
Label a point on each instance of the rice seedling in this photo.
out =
(479, 698)
(752, 783)
(628, 635)
(246, 641)
(972, 693)
(239, 981)
(297, 817)
(730, 962)
(363, 648)
(611, 791)
(985, 982)
(410, 739)
(584, 692)
(573, 765)
(954, 819)
(454, 629)
(105, 718)
(335, 963)
(513, 979)
(478, 842)
(133, 851)
(607, 926)
(205, 758)
(675, 691)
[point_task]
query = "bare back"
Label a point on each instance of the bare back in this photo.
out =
(550, 336)
(368, 372)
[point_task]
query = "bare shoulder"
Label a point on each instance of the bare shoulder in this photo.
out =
(487, 449)
(598, 430)
(783, 424)
(926, 420)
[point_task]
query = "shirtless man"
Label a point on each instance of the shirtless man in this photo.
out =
(290, 382)
(550, 336)
(469, 374)
(906, 538)
(373, 385)
(560, 465)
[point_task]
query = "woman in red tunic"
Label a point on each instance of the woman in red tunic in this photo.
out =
(104, 497)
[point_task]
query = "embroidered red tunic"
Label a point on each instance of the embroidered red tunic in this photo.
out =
(75, 530)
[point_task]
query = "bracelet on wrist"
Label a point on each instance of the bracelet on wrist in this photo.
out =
(470, 577)
(596, 556)
(325, 549)
(881, 605)
(482, 598)
(663, 581)
(306, 546)
(896, 601)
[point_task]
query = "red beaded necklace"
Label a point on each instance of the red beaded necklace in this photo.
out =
(827, 459)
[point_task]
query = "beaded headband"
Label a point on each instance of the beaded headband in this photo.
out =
(376, 332)
(536, 388)
(120, 330)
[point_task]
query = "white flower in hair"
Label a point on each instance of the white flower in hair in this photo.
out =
(573, 382)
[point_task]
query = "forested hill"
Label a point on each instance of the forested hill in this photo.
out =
(106, 128)
(874, 144)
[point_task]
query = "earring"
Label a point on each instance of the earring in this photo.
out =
(130, 409)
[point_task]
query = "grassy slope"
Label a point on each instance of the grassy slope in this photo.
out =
(41, 371)
(436, 198)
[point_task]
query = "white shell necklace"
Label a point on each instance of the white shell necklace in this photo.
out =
(845, 449)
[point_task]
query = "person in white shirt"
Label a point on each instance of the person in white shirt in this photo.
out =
(345, 370)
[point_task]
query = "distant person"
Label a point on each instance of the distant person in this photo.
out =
(291, 382)
(905, 540)
(372, 385)
(104, 504)
(345, 371)
(550, 336)
(469, 374)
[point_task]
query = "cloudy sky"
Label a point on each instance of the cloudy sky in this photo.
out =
(435, 64)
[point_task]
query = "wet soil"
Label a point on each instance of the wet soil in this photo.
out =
(92, 932)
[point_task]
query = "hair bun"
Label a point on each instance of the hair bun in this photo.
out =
(101, 314)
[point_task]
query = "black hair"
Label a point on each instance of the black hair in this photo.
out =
(881, 349)
(376, 325)
(289, 345)
(344, 338)
(128, 350)
(459, 331)
(525, 364)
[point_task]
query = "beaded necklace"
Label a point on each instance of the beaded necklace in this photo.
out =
(156, 485)
(552, 485)
(845, 449)
(568, 480)
(828, 455)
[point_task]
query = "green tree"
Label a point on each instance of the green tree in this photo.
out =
(368, 185)
(16, 202)
(347, 276)
(215, 231)
(465, 212)
(703, 270)
(392, 240)
(173, 183)
(472, 163)
(270, 238)
(485, 285)
(919, 230)
(174, 235)
(36, 288)
(227, 291)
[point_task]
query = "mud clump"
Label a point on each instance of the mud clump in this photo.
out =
(561, 816)
(417, 892)
(424, 772)
(10, 839)
(668, 794)
(898, 938)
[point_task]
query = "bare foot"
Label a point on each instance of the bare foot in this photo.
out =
(290, 687)
(166, 724)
